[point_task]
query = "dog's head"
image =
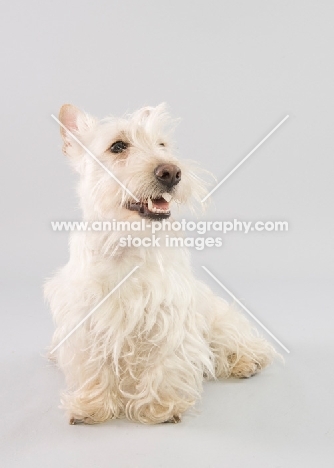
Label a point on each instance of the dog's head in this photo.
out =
(128, 165)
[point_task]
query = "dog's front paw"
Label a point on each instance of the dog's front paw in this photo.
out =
(86, 420)
(175, 419)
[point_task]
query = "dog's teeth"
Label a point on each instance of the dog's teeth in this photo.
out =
(154, 209)
(167, 196)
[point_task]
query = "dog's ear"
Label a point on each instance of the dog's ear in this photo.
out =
(78, 123)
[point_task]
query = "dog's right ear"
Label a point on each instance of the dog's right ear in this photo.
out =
(78, 123)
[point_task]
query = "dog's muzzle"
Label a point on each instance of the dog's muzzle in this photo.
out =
(168, 176)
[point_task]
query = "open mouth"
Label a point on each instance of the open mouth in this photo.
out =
(152, 207)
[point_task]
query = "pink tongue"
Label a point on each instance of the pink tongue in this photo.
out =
(160, 203)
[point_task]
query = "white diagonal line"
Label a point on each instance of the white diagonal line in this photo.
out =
(94, 157)
(93, 310)
(244, 159)
(246, 310)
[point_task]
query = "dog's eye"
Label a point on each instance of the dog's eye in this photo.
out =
(162, 144)
(118, 146)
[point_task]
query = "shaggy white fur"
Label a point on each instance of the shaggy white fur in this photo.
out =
(145, 351)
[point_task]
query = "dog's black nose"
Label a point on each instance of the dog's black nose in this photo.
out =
(168, 174)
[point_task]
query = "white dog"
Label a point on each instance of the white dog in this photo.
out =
(146, 350)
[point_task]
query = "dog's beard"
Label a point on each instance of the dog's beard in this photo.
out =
(154, 208)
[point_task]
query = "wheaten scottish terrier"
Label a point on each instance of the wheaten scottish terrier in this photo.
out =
(146, 350)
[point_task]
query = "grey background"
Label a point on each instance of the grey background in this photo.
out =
(231, 71)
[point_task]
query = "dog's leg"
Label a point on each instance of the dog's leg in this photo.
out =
(238, 349)
(92, 396)
(155, 412)
(164, 394)
(90, 407)
(86, 408)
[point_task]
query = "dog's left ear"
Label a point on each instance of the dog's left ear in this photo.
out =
(78, 123)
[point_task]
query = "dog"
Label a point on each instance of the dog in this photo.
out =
(147, 348)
